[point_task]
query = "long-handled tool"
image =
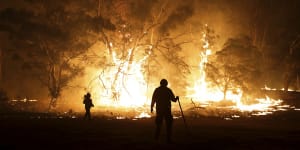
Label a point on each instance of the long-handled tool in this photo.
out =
(184, 121)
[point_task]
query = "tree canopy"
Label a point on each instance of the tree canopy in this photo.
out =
(49, 40)
(236, 65)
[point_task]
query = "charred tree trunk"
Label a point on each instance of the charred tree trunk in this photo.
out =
(1, 60)
(51, 85)
(54, 87)
(225, 91)
(297, 81)
(287, 84)
(289, 77)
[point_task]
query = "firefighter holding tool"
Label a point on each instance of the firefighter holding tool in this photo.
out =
(162, 97)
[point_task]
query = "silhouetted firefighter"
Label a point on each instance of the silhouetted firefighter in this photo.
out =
(163, 96)
(87, 101)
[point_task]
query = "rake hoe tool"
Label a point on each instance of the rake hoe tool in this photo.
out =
(184, 121)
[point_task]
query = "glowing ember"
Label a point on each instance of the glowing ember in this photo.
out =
(143, 115)
(120, 118)
(261, 105)
(274, 89)
(24, 100)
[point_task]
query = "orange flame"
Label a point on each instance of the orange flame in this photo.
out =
(204, 95)
(122, 85)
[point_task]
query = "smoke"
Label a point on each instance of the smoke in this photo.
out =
(177, 17)
(141, 9)
(226, 18)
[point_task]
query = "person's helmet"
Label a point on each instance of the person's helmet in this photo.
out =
(88, 94)
(163, 82)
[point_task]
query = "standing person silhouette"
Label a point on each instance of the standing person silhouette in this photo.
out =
(87, 101)
(162, 97)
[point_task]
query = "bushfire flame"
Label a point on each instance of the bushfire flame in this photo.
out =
(123, 86)
(206, 96)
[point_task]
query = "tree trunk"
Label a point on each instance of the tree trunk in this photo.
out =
(53, 88)
(225, 91)
(297, 84)
(287, 83)
(1, 67)
(51, 104)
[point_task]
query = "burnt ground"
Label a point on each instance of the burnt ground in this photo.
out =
(31, 131)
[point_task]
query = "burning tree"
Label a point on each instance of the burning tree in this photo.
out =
(138, 48)
(236, 66)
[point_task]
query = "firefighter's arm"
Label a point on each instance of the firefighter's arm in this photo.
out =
(153, 101)
(152, 104)
(173, 98)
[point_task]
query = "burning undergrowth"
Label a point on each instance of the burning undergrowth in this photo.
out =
(224, 83)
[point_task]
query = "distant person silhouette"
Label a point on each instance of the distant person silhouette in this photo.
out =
(162, 97)
(87, 101)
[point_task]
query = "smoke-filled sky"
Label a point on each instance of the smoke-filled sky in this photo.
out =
(273, 26)
(227, 17)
